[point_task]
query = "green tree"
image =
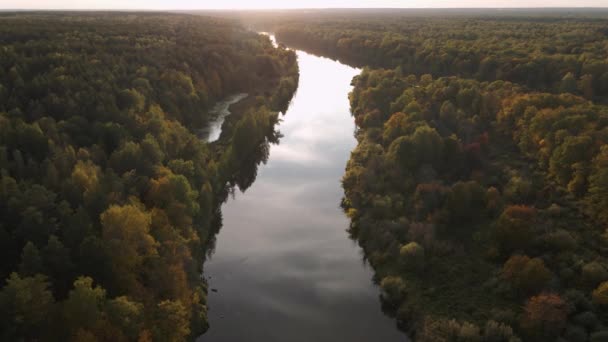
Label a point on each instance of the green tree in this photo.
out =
(574, 149)
(568, 84)
(594, 273)
(394, 288)
(513, 229)
(83, 307)
(126, 315)
(171, 322)
(597, 198)
(465, 202)
(31, 261)
(428, 146)
(26, 304)
(58, 263)
(412, 255)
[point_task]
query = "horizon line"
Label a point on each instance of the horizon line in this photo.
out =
(303, 8)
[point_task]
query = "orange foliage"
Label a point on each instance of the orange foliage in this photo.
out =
(545, 315)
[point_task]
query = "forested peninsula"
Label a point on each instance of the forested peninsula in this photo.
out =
(109, 200)
(479, 186)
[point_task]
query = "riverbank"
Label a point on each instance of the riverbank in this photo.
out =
(237, 112)
(107, 193)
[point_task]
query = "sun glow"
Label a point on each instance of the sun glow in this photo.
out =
(285, 4)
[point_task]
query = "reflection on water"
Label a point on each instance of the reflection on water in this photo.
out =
(218, 114)
(284, 268)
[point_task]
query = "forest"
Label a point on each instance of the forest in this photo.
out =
(540, 55)
(478, 189)
(109, 201)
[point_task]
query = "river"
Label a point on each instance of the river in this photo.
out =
(218, 114)
(284, 268)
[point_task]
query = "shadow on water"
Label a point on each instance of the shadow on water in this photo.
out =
(244, 175)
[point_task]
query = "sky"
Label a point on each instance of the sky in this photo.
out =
(267, 4)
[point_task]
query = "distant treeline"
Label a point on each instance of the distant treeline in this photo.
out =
(107, 197)
(541, 54)
(479, 187)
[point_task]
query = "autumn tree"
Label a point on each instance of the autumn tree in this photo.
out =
(172, 322)
(125, 231)
(126, 315)
(600, 294)
(526, 275)
(544, 316)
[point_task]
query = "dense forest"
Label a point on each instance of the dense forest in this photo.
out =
(478, 190)
(544, 53)
(479, 186)
(108, 199)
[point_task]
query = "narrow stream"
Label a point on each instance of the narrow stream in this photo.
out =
(284, 268)
(218, 113)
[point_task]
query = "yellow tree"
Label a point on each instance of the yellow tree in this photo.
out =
(126, 233)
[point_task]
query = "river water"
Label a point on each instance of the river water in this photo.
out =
(218, 114)
(284, 268)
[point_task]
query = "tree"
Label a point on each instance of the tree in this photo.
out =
(128, 157)
(125, 231)
(560, 241)
(513, 228)
(574, 149)
(527, 275)
(428, 198)
(402, 152)
(465, 202)
(25, 307)
(394, 127)
(544, 316)
(424, 146)
(125, 314)
(83, 307)
(86, 176)
(594, 273)
(58, 263)
(31, 262)
(568, 84)
(600, 294)
(428, 146)
(412, 255)
(172, 322)
(447, 114)
(174, 194)
(586, 86)
(597, 198)
(251, 131)
(95, 124)
(394, 288)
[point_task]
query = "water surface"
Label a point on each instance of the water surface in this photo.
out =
(284, 268)
(218, 114)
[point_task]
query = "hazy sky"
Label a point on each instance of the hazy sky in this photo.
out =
(241, 4)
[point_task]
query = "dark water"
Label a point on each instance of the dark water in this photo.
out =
(284, 267)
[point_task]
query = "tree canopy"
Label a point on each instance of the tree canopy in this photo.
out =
(108, 198)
